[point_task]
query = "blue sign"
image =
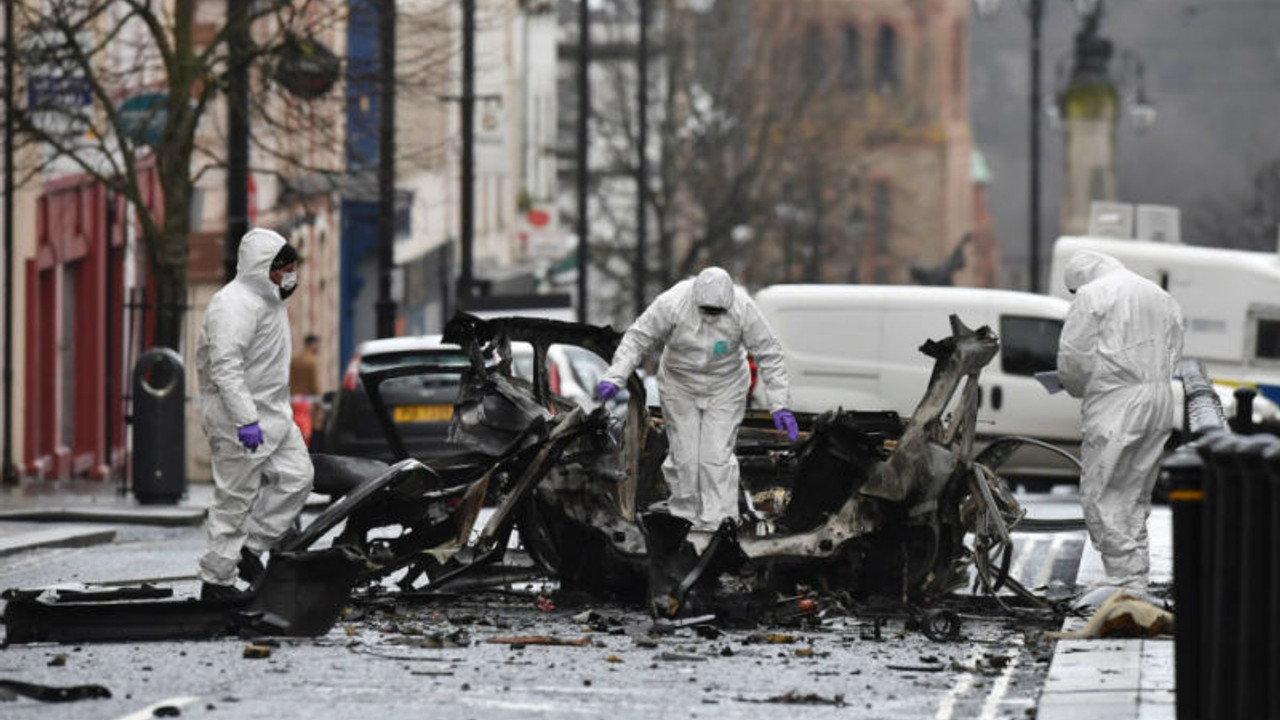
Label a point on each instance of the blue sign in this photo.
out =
(143, 117)
(58, 92)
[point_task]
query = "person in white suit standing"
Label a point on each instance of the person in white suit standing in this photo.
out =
(706, 327)
(262, 471)
(1120, 345)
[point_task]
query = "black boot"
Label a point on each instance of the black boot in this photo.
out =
(250, 566)
(213, 591)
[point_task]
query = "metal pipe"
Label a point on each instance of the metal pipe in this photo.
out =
(386, 307)
(584, 113)
(1035, 10)
(238, 42)
(10, 472)
(642, 164)
(468, 105)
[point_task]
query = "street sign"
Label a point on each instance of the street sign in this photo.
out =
(57, 92)
(143, 117)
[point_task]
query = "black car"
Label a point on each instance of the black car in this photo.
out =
(421, 406)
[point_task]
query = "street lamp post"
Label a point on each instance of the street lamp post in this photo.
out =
(10, 472)
(584, 166)
(1035, 18)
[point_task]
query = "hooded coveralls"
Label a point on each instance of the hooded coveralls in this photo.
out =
(242, 362)
(1120, 344)
(703, 377)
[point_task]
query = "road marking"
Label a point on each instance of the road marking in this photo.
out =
(963, 684)
(1024, 554)
(1001, 685)
(42, 558)
(148, 712)
(1046, 573)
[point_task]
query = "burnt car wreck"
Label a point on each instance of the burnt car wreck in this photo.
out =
(866, 504)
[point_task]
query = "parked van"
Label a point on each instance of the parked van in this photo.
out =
(1230, 300)
(857, 347)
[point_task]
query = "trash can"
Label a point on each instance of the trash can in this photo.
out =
(159, 428)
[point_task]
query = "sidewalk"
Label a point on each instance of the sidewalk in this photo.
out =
(72, 513)
(1114, 679)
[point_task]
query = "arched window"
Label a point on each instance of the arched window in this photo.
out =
(887, 59)
(851, 59)
(813, 63)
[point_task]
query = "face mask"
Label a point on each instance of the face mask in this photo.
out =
(288, 283)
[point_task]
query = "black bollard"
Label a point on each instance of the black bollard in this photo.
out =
(1222, 619)
(1254, 528)
(1243, 420)
(1183, 472)
(1271, 459)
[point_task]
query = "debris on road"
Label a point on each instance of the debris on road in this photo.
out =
(796, 698)
(256, 652)
(9, 689)
(541, 640)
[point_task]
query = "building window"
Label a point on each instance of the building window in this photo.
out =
(851, 59)
(883, 216)
(887, 59)
(813, 63)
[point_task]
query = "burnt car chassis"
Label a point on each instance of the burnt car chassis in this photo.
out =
(870, 506)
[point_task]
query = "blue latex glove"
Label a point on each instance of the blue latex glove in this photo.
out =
(785, 421)
(606, 390)
(251, 436)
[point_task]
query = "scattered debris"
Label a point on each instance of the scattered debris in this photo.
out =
(768, 639)
(434, 641)
(680, 657)
(58, 660)
(917, 668)
(795, 698)
(541, 640)
(613, 659)
(256, 652)
(9, 689)
(644, 641)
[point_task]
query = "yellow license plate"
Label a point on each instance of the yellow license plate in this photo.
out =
(422, 413)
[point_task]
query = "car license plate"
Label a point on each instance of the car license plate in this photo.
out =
(422, 413)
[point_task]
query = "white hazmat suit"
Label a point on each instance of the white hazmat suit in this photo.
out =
(1119, 347)
(704, 378)
(242, 362)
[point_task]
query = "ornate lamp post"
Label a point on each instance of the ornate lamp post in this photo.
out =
(1035, 17)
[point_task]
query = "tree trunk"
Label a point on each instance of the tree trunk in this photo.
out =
(171, 303)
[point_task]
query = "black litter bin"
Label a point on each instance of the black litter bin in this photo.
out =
(159, 422)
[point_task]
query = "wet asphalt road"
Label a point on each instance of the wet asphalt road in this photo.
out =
(438, 659)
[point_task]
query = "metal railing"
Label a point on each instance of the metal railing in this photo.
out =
(1225, 498)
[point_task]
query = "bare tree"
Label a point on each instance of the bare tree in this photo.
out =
(750, 173)
(106, 52)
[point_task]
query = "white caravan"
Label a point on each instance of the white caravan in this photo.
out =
(1230, 300)
(857, 347)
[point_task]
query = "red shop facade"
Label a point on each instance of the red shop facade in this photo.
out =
(76, 325)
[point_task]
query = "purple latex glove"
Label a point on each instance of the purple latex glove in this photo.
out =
(785, 421)
(606, 390)
(250, 436)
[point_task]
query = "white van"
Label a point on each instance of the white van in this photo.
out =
(857, 347)
(1230, 300)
